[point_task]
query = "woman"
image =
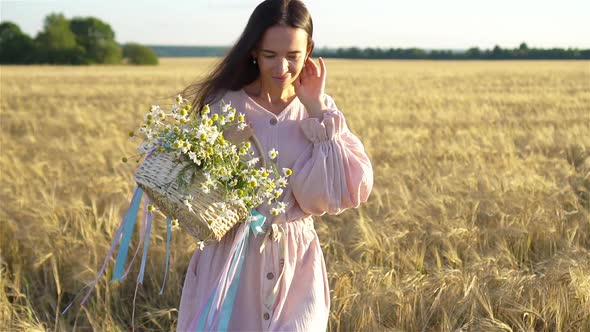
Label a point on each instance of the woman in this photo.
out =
(269, 77)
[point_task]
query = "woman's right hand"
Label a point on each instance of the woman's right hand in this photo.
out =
(235, 136)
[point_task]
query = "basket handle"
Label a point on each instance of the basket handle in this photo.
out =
(258, 146)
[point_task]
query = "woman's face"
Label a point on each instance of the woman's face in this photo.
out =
(281, 55)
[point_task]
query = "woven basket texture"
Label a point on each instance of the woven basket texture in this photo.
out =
(157, 177)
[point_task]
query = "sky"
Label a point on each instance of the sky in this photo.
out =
(427, 24)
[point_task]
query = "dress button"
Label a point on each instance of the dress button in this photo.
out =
(270, 275)
(273, 121)
(266, 316)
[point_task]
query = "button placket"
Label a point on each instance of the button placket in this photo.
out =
(268, 283)
(275, 135)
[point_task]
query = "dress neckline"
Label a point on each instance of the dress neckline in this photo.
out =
(289, 105)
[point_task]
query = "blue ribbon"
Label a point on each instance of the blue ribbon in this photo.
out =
(130, 218)
(256, 222)
(168, 235)
(146, 243)
(237, 260)
(127, 222)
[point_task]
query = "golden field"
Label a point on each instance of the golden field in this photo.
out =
(479, 219)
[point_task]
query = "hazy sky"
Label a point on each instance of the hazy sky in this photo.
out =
(451, 24)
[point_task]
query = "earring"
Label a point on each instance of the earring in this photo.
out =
(254, 61)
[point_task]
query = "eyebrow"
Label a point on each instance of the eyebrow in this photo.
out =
(273, 52)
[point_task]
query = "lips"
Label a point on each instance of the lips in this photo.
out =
(281, 78)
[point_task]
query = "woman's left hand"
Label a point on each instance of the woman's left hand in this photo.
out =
(310, 85)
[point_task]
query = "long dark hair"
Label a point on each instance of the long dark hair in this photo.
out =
(236, 69)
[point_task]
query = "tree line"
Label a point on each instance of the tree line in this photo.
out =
(522, 52)
(496, 53)
(88, 40)
(79, 41)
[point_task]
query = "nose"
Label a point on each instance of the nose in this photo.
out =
(283, 65)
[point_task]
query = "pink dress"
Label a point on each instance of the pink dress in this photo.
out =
(285, 288)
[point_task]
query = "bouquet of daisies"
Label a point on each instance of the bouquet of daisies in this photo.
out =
(198, 178)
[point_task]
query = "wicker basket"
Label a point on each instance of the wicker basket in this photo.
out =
(156, 176)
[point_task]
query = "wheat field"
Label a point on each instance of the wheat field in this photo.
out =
(478, 220)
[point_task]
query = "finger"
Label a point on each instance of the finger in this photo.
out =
(297, 83)
(309, 66)
(314, 68)
(306, 67)
(323, 67)
(304, 72)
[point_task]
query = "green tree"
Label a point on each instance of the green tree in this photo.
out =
(474, 53)
(15, 46)
(139, 55)
(522, 52)
(57, 43)
(498, 53)
(97, 38)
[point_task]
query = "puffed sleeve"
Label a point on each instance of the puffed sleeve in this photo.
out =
(334, 173)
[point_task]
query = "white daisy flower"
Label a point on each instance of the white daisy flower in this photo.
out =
(220, 205)
(185, 147)
(275, 232)
(252, 162)
(205, 188)
(193, 156)
(222, 120)
(154, 108)
(148, 116)
(207, 175)
(212, 136)
(273, 153)
(252, 181)
(282, 206)
(282, 182)
(174, 223)
(188, 205)
(206, 110)
(177, 144)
